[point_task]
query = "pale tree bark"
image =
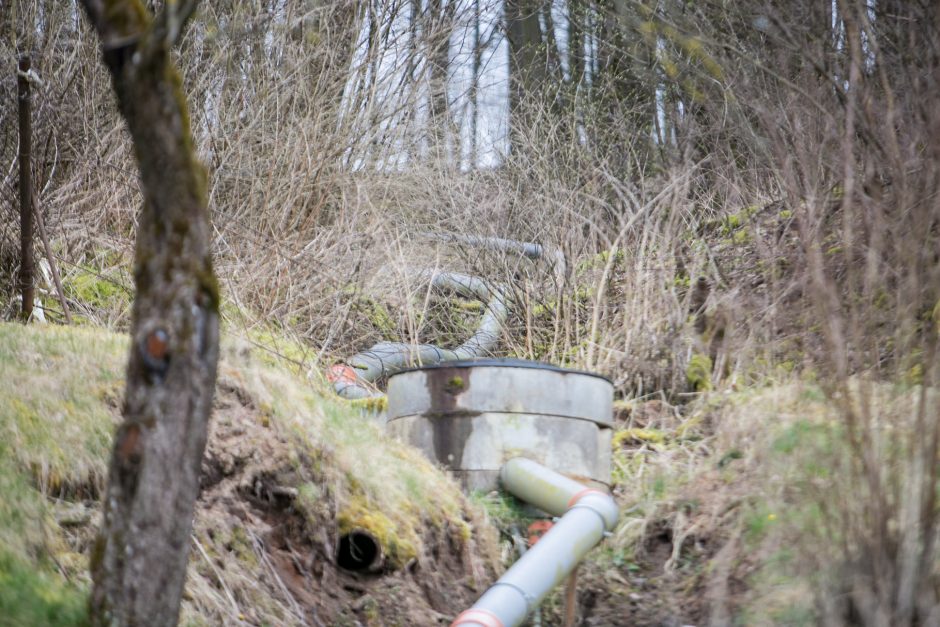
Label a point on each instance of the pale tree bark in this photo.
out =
(139, 559)
(475, 86)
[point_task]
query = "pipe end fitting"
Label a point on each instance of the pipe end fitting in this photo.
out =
(476, 617)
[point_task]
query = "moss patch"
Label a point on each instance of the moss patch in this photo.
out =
(699, 372)
(371, 404)
(96, 290)
(638, 436)
(100, 291)
(61, 387)
(399, 542)
(64, 385)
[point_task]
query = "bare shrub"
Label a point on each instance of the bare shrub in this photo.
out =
(741, 194)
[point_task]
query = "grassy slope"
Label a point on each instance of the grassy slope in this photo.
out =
(723, 503)
(60, 389)
(732, 510)
(55, 389)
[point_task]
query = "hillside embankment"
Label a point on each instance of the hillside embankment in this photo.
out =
(287, 473)
(723, 501)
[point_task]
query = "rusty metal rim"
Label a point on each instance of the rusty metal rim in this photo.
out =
(464, 413)
(505, 362)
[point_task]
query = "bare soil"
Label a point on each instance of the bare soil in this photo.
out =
(260, 558)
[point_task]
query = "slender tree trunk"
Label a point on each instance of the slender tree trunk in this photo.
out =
(139, 559)
(437, 31)
(577, 16)
(627, 93)
(26, 188)
(527, 71)
(475, 87)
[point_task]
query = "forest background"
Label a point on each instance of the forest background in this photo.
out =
(747, 195)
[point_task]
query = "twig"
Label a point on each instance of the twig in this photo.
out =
(571, 598)
(259, 549)
(218, 575)
(40, 224)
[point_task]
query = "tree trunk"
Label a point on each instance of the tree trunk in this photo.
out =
(26, 189)
(527, 71)
(475, 85)
(438, 28)
(627, 88)
(139, 559)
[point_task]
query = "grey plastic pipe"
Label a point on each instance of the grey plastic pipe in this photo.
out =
(555, 257)
(351, 380)
(586, 515)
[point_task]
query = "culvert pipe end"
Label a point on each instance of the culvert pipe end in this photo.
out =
(359, 551)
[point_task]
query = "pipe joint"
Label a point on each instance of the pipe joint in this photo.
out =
(559, 550)
(577, 497)
(602, 505)
(527, 598)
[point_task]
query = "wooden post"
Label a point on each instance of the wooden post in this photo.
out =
(44, 238)
(571, 598)
(26, 188)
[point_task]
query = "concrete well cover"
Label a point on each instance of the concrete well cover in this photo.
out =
(472, 416)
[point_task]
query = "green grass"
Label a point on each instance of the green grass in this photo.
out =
(58, 390)
(60, 387)
(31, 596)
(503, 510)
(61, 391)
(32, 592)
(382, 486)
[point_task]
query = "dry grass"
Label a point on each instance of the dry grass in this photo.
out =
(789, 231)
(272, 435)
(330, 254)
(744, 507)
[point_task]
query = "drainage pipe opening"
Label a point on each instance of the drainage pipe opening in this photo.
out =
(359, 551)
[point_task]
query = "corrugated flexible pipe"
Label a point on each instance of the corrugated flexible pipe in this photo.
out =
(532, 250)
(586, 514)
(352, 379)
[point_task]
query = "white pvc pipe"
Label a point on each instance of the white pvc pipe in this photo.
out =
(587, 515)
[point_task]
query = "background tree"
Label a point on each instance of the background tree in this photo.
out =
(763, 170)
(139, 561)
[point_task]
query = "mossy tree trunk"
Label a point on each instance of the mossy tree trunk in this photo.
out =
(139, 560)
